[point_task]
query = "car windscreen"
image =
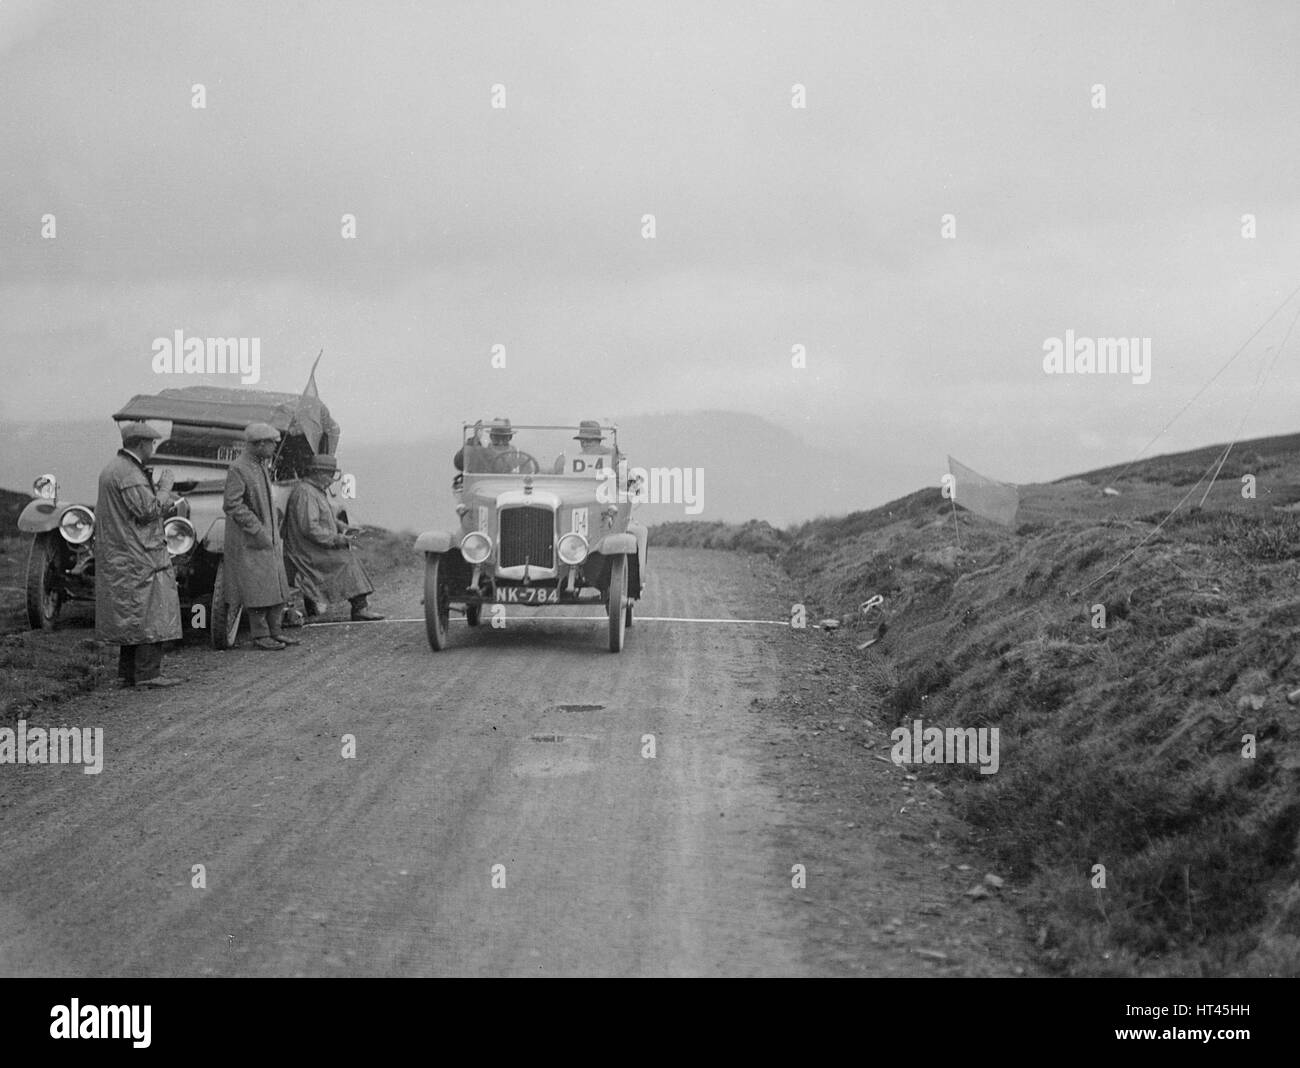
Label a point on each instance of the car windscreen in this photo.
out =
(542, 450)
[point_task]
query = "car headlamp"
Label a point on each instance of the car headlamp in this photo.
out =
(475, 547)
(572, 548)
(77, 525)
(180, 535)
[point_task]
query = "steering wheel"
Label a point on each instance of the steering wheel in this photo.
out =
(514, 462)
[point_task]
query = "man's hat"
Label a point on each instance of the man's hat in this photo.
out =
(261, 432)
(137, 431)
(501, 428)
(323, 461)
(589, 430)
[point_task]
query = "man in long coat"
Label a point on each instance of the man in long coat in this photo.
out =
(318, 552)
(136, 603)
(254, 550)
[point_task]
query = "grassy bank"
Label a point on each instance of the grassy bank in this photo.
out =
(1127, 693)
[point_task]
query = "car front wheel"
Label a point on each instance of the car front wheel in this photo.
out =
(223, 622)
(44, 581)
(617, 603)
(437, 610)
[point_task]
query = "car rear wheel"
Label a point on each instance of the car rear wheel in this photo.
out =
(437, 610)
(223, 621)
(617, 603)
(44, 590)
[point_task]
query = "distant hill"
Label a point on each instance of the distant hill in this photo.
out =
(1147, 490)
(1184, 468)
(752, 468)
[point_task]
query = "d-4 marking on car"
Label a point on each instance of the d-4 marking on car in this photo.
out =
(542, 522)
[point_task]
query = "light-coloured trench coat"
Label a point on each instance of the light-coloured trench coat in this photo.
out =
(136, 602)
(323, 563)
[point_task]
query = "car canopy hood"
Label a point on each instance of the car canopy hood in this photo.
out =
(233, 409)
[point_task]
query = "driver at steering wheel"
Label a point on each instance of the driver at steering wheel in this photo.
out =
(499, 456)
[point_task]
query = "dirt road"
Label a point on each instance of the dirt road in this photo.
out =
(515, 758)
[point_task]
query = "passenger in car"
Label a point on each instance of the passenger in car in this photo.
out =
(591, 439)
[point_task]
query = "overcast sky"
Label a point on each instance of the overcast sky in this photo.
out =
(775, 225)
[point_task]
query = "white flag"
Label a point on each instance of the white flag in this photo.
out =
(993, 500)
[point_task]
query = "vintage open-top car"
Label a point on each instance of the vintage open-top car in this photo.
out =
(545, 519)
(203, 434)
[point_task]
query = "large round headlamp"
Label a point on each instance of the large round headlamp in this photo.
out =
(180, 535)
(475, 547)
(77, 525)
(572, 548)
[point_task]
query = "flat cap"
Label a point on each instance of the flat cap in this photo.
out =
(137, 432)
(261, 432)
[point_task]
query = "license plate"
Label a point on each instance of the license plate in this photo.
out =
(528, 595)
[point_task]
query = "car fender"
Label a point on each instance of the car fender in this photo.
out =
(642, 534)
(622, 544)
(433, 541)
(637, 572)
(214, 541)
(42, 514)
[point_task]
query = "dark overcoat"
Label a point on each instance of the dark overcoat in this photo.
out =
(254, 560)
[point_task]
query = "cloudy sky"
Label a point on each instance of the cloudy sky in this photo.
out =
(775, 225)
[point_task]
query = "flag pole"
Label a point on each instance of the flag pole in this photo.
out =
(297, 409)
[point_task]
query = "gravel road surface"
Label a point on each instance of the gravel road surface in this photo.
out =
(500, 815)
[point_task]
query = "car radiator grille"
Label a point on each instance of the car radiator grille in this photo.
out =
(527, 535)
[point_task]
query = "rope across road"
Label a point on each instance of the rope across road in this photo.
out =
(568, 619)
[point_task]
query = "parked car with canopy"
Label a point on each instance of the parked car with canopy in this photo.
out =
(203, 434)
